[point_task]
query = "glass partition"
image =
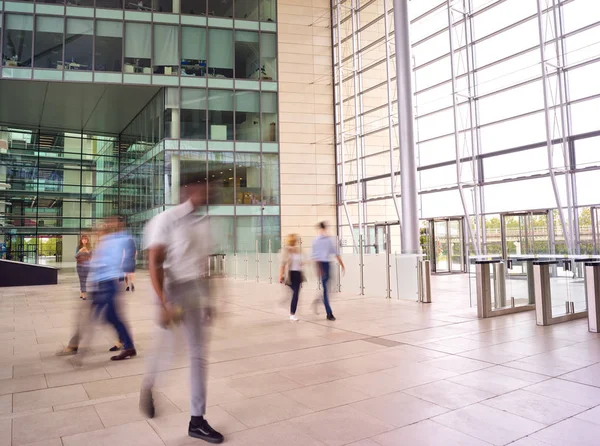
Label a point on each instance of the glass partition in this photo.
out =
(247, 59)
(247, 118)
(138, 45)
(268, 57)
(18, 39)
(48, 42)
(220, 53)
(270, 179)
(193, 113)
(166, 50)
(79, 44)
(220, 115)
(193, 51)
(248, 230)
(221, 177)
(269, 116)
(247, 181)
(220, 8)
(109, 46)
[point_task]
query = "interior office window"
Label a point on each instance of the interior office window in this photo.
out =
(220, 53)
(193, 7)
(79, 43)
(138, 48)
(247, 172)
(110, 4)
(141, 5)
(270, 179)
(220, 115)
(246, 9)
(18, 39)
(268, 56)
(109, 46)
(268, 10)
(247, 118)
(248, 232)
(166, 49)
(247, 59)
(269, 116)
(48, 52)
(221, 177)
(193, 113)
(193, 51)
(220, 8)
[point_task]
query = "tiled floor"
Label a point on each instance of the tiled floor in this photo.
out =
(387, 373)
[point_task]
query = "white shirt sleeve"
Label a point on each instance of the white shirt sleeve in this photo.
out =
(156, 233)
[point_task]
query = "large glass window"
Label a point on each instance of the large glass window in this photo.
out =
(270, 179)
(221, 178)
(220, 115)
(220, 53)
(193, 7)
(268, 11)
(18, 39)
(248, 178)
(48, 42)
(247, 118)
(108, 4)
(247, 59)
(79, 44)
(269, 116)
(193, 113)
(193, 51)
(268, 56)
(246, 9)
(272, 232)
(166, 49)
(138, 44)
(248, 233)
(220, 8)
(109, 46)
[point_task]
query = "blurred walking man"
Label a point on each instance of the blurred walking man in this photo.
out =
(179, 243)
(323, 248)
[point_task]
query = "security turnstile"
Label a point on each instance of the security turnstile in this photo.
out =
(592, 294)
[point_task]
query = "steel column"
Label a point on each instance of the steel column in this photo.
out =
(548, 131)
(408, 168)
(390, 111)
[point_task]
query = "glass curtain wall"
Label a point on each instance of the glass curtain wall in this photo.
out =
(498, 128)
(58, 186)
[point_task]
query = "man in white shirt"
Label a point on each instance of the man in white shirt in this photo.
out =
(179, 243)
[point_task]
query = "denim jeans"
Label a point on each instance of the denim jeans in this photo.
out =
(325, 269)
(105, 300)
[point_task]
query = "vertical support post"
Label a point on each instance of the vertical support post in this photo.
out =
(235, 266)
(388, 72)
(408, 169)
(484, 289)
(256, 261)
(246, 263)
(357, 127)
(592, 295)
(456, 130)
(270, 262)
(388, 263)
(341, 124)
(543, 302)
(500, 285)
(361, 266)
(566, 229)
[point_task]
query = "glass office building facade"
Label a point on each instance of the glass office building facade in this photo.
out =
(209, 72)
(506, 100)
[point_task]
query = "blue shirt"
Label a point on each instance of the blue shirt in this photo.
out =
(323, 248)
(108, 257)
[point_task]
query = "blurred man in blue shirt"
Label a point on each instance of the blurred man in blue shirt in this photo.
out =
(323, 249)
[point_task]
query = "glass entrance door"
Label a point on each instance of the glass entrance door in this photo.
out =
(447, 245)
(525, 234)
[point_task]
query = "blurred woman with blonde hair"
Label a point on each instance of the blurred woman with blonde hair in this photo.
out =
(290, 271)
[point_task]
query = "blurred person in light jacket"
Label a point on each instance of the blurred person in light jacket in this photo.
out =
(323, 249)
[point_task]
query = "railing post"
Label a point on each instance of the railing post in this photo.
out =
(270, 263)
(246, 267)
(361, 265)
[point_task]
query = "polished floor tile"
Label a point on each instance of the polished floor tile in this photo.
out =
(387, 372)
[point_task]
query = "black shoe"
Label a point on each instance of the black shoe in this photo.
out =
(115, 348)
(330, 317)
(147, 403)
(203, 431)
(127, 289)
(125, 354)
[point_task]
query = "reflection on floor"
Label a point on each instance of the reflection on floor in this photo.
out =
(385, 373)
